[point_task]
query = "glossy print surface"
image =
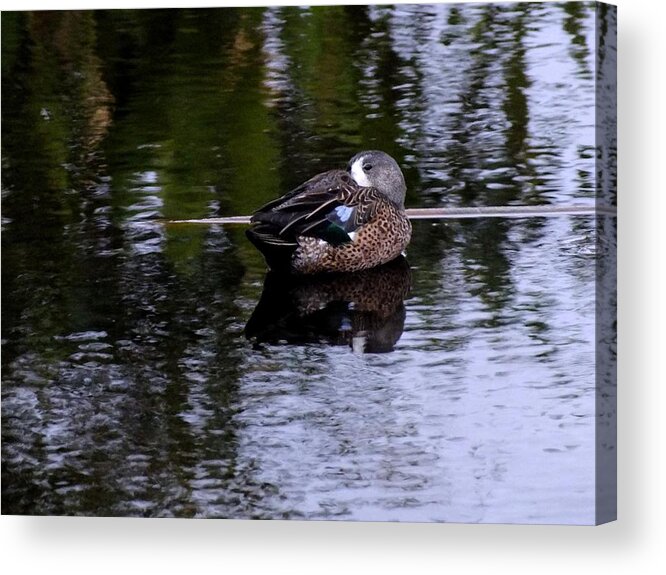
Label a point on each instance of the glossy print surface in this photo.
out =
(158, 371)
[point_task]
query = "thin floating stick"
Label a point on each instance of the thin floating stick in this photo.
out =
(507, 212)
(453, 213)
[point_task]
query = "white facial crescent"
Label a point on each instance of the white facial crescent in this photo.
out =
(359, 175)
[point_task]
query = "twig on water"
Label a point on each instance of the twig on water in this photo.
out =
(453, 213)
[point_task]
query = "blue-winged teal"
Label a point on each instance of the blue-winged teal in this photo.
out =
(338, 221)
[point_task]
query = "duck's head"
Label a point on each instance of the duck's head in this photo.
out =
(379, 170)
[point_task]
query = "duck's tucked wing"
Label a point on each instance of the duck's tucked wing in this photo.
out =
(330, 206)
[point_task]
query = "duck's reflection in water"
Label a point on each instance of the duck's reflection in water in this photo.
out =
(364, 310)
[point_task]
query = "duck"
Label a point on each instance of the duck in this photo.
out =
(337, 221)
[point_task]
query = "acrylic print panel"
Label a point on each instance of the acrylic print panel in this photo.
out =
(152, 369)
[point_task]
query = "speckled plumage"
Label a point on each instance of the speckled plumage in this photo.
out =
(379, 241)
(331, 223)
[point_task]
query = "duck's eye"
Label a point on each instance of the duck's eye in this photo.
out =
(367, 167)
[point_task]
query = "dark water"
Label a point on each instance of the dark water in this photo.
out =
(129, 386)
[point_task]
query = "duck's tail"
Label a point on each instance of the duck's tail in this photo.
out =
(277, 251)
